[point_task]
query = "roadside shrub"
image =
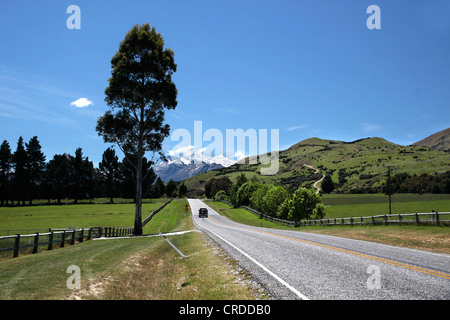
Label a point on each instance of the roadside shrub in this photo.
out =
(305, 204)
(220, 195)
(257, 199)
(274, 197)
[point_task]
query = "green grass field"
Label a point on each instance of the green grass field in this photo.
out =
(342, 206)
(73, 215)
(133, 268)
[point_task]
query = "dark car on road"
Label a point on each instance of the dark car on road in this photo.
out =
(203, 213)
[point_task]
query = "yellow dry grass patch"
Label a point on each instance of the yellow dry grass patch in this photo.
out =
(159, 273)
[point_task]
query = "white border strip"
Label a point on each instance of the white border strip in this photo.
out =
(144, 235)
(173, 246)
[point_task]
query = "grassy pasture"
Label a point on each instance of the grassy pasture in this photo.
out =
(343, 206)
(73, 215)
(136, 268)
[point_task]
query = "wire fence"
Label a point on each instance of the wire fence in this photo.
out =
(437, 218)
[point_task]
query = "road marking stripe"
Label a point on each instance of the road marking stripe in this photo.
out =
(300, 295)
(363, 255)
(287, 285)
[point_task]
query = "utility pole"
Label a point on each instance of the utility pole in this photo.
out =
(389, 187)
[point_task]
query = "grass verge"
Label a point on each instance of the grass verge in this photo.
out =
(132, 268)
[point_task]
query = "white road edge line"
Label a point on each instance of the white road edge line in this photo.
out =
(287, 285)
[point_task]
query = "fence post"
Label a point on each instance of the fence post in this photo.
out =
(36, 243)
(385, 220)
(437, 218)
(417, 218)
(16, 245)
(373, 220)
(351, 221)
(399, 218)
(82, 234)
(50, 240)
(72, 242)
(63, 239)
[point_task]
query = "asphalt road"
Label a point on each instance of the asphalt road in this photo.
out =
(300, 265)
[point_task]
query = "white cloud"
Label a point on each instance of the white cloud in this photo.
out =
(369, 127)
(239, 155)
(227, 111)
(304, 126)
(81, 103)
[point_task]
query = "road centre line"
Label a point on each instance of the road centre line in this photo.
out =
(363, 255)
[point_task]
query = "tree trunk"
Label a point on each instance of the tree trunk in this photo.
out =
(138, 205)
(111, 186)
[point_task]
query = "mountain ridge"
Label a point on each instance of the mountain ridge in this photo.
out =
(356, 166)
(439, 140)
(179, 168)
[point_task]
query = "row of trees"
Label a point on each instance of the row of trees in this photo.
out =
(272, 200)
(423, 183)
(25, 176)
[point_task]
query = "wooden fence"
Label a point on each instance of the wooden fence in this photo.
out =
(436, 218)
(146, 220)
(34, 243)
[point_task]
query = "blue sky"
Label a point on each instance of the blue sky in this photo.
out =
(307, 68)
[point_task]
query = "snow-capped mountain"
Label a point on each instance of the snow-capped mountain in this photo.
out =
(180, 168)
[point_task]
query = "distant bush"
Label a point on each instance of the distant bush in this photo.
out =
(274, 197)
(278, 202)
(245, 193)
(423, 183)
(257, 198)
(221, 195)
(327, 184)
(304, 204)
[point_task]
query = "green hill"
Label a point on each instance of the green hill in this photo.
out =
(358, 166)
(440, 141)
